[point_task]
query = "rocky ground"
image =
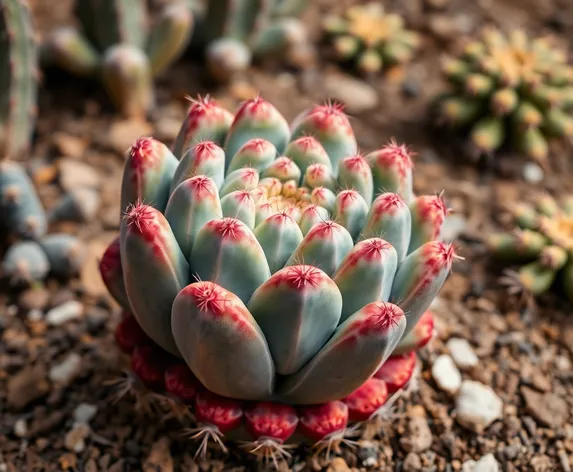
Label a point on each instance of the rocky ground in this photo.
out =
(495, 390)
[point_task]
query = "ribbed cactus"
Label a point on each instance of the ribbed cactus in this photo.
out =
(276, 268)
(542, 243)
(18, 77)
(117, 45)
(32, 253)
(233, 32)
(370, 38)
(510, 90)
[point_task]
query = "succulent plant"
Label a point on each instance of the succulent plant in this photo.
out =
(542, 243)
(116, 46)
(234, 32)
(18, 77)
(370, 38)
(510, 90)
(268, 270)
(31, 253)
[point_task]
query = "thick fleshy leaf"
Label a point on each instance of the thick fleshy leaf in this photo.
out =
(224, 414)
(428, 215)
(350, 210)
(420, 277)
(241, 206)
(147, 174)
(323, 197)
(256, 153)
(257, 118)
(226, 252)
(245, 178)
(392, 171)
(358, 347)
(354, 173)
(154, 271)
(221, 342)
(279, 235)
(324, 246)
(311, 215)
(389, 218)
(330, 126)
(366, 275)
(319, 175)
(269, 420)
(306, 151)
(318, 422)
(298, 309)
(283, 169)
(205, 121)
(204, 158)
(112, 273)
(192, 204)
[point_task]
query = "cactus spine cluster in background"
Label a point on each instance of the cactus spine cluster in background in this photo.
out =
(234, 32)
(510, 90)
(542, 243)
(370, 38)
(32, 254)
(18, 77)
(116, 45)
(274, 266)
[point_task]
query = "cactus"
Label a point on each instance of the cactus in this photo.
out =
(234, 32)
(18, 77)
(117, 46)
(509, 90)
(32, 254)
(542, 243)
(369, 38)
(273, 285)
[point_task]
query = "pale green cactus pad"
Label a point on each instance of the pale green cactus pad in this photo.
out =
(542, 243)
(275, 264)
(510, 90)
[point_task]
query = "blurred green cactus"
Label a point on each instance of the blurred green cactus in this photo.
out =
(542, 243)
(370, 38)
(117, 45)
(278, 265)
(510, 89)
(234, 32)
(18, 77)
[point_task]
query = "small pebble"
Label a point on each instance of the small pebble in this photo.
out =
(532, 173)
(75, 438)
(356, 95)
(446, 374)
(66, 371)
(35, 315)
(84, 413)
(462, 353)
(20, 428)
(486, 464)
(68, 311)
(477, 406)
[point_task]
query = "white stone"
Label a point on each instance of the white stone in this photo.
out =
(84, 413)
(477, 406)
(462, 353)
(20, 428)
(65, 312)
(66, 370)
(532, 173)
(75, 438)
(486, 464)
(469, 466)
(446, 374)
(35, 315)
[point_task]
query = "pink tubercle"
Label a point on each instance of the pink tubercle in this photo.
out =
(202, 186)
(330, 117)
(149, 224)
(229, 228)
(205, 110)
(281, 218)
(318, 421)
(256, 145)
(305, 143)
(395, 156)
(347, 198)
(378, 316)
(143, 154)
(388, 204)
(283, 164)
(257, 108)
(356, 163)
(224, 413)
(432, 208)
(204, 151)
(311, 211)
(424, 329)
(439, 255)
(369, 250)
(271, 420)
(110, 263)
(299, 277)
(148, 363)
(243, 197)
(323, 230)
(248, 174)
(316, 171)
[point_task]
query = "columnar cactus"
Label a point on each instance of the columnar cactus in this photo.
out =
(116, 45)
(542, 243)
(510, 90)
(32, 253)
(274, 267)
(370, 38)
(18, 77)
(233, 32)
